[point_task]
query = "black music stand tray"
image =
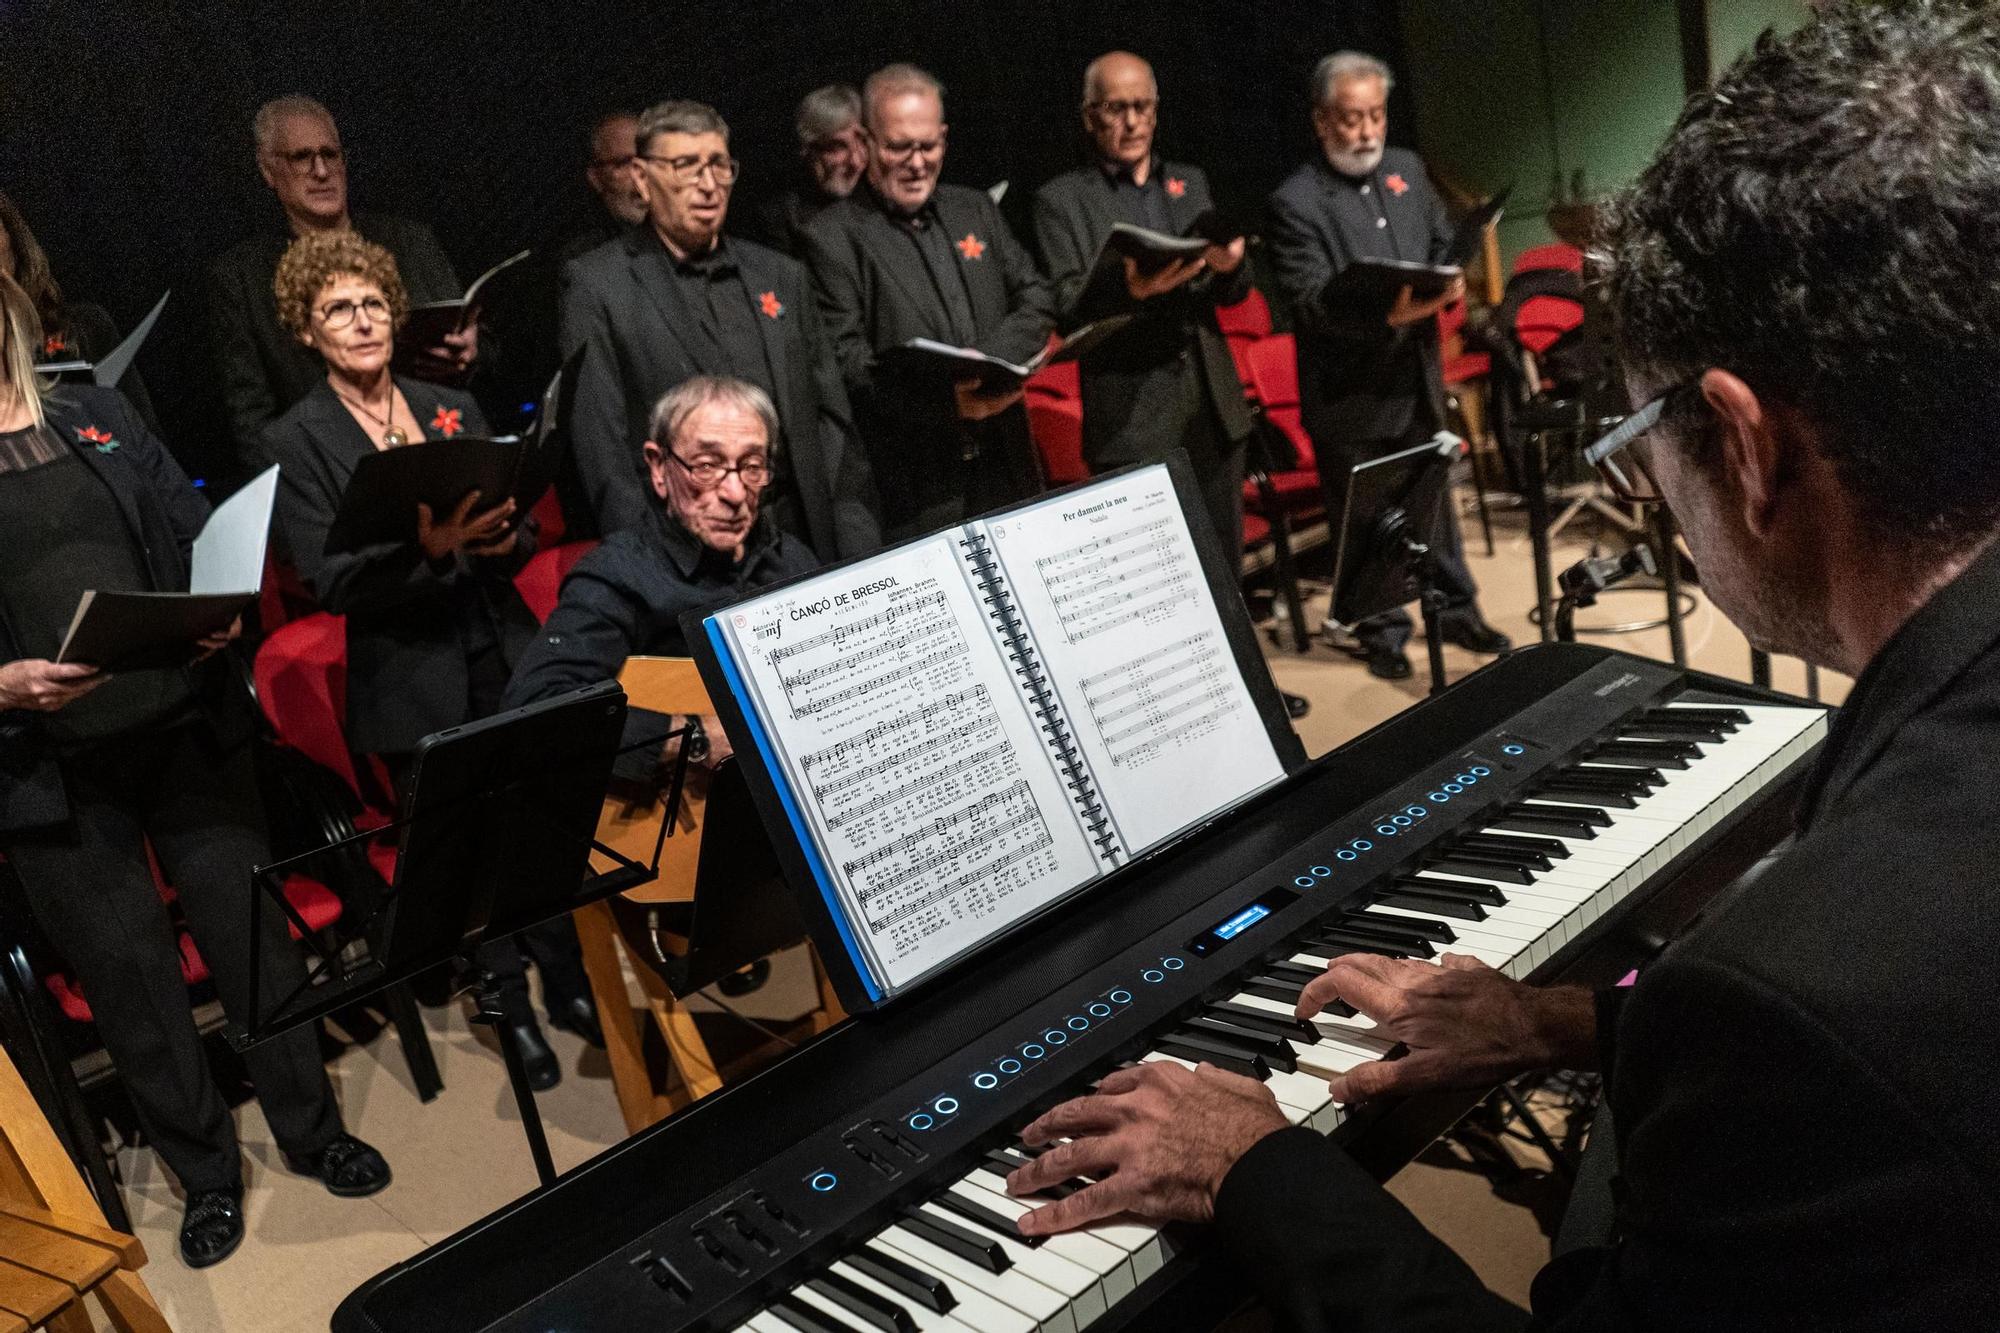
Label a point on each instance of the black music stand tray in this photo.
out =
(494, 835)
(1381, 559)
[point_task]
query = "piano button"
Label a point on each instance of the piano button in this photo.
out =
(905, 1279)
(968, 1210)
(986, 1300)
(1099, 1257)
(857, 1304)
(922, 1317)
(971, 1246)
(799, 1310)
(1064, 1276)
(1202, 1050)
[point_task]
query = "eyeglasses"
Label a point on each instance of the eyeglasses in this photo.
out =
(687, 170)
(339, 314)
(902, 150)
(1619, 456)
(1139, 108)
(613, 163)
(708, 473)
(301, 160)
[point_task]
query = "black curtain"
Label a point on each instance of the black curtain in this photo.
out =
(126, 126)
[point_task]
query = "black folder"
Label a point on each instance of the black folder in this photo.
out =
(380, 503)
(943, 365)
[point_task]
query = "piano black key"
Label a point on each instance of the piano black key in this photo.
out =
(1242, 1015)
(1576, 814)
(1267, 988)
(1001, 1163)
(1200, 1050)
(1647, 729)
(806, 1319)
(1551, 848)
(1277, 1052)
(1447, 904)
(1451, 863)
(1437, 932)
(867, 1307)
(1721, 717)
(1488, 894)
(1659, 754)
(1284, 970)
(1343, 940)
(1556, 789)
(1642, 776)
(926, 1289)
(1557, 825)
(1506, 856)
(967, 1245)
(1609, 779)
(954, 1202)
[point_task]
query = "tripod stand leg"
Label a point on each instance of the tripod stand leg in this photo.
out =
(1535, 465)
(1670, 574)
(1432, 602)
(487, 999)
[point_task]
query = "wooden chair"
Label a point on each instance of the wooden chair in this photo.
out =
(54, 1246)
(632, 825)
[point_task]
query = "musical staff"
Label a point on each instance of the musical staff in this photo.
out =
(1139, 574)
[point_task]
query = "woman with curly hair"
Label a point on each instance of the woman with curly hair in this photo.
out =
(95, 767)
(434, 624)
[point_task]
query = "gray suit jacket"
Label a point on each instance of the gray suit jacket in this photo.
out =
(1133, 405)
(621, 304)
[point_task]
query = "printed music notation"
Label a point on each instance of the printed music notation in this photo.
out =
(909, 639)
(1138, 574)
(1163, 698)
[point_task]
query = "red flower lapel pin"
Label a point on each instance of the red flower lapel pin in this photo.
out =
(103, 439)
(446, 422)
(769, 303)
(53, 345)
(1396, 183)
(971, 247)
(1176, 186)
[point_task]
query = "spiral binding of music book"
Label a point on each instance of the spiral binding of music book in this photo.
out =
(1062, 743)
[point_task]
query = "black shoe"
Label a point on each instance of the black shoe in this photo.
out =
(1388, 663)
(212, 1227)
(1477, 637)
(750, 979)
(578, 1014)
(346, 1166)
(544, 1070)
(1296, 705)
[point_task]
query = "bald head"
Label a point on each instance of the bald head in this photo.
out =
(1121, 103)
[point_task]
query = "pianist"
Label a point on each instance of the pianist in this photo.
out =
(1803, 1085)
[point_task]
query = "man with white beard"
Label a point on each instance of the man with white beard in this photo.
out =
(1370, 379)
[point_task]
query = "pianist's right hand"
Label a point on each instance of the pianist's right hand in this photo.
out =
(42, 686)
(1467, 1025)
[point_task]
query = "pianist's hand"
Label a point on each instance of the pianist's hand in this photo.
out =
(42, 686)
(1466, 1025)
(1155, 1140)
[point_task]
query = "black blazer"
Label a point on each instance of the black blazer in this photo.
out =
(406, 665)
(88, 333)
(164, 514)
(875, 293)
(1360, 381)
(619, 302)
(1132, 402)
(1803, 1086)
(264, 368)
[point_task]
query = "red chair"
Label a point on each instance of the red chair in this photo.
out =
(1055, 419)
(1555, 255)
(1249, 317)
(540, 580)
(1274, 379)
(1465, 366)
(1282, 497)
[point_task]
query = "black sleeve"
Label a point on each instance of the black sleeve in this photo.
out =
(1304, 266)
(1064, 255)
(1329, 1251)
(1031, 302)
(607, 463)
(1218, 288)
(599, 622)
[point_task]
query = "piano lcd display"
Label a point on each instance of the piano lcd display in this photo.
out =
(965, 729)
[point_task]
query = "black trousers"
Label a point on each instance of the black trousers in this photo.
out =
(92, 892)
(949, 486)
(1391, 630)
(1219, 462)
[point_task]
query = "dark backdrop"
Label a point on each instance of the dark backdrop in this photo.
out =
(126, 126)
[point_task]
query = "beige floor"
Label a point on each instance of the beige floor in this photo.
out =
(462, 1156)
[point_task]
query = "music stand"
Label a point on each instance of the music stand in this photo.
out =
(496, 828)
(1382, 559)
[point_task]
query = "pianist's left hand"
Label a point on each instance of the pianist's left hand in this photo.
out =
(1156, 1140)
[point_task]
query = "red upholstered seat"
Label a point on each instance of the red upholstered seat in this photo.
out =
(1256, 531)
(548, 516)
(540, 580)
(1055, 419)
(1250, 317)
(1466, 365)
(1543, 319)
(1555, 255)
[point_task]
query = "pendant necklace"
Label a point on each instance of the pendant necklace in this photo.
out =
(393, 436)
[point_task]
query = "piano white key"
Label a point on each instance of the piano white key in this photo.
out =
(768, 1323)
(1009, 1302)
(1075, 1283)
(1107, 1262)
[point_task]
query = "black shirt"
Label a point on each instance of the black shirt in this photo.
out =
(1141, 205)
(934, 248)
(65, 536)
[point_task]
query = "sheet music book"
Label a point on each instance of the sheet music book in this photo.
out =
(125, 631)
(926, 358)
(105, 374)
(380, 502)
(428, 323)
(1104, 290)
(966, 729)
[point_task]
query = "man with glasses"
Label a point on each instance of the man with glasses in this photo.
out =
(833, 149)
(1802, 1084)
(1166, 380)
(1371, 380)
(610, 174)
(263, 367)
(905, 257)
(700, 541)
(674, 298)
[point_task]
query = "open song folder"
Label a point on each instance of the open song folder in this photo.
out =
(953, 735)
